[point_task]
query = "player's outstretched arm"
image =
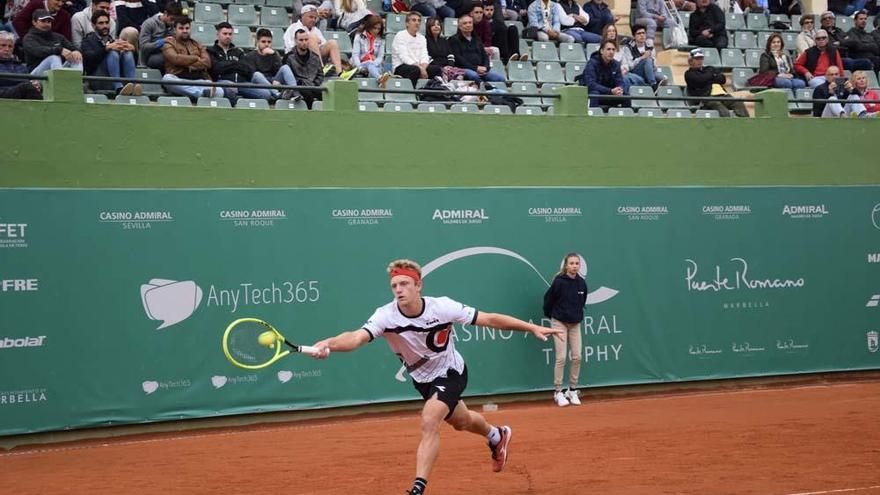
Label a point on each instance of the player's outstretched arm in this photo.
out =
(499, 320)
(344, 342)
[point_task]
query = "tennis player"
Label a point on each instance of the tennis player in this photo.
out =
(418, 329)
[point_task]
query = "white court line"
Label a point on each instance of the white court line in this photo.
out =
(837, 491)
(257, 429)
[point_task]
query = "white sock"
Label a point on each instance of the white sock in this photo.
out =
(494, 436)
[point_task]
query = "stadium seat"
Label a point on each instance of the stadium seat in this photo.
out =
(843, 22)
(242, 37)
(573, 70)
(368, 106)
(523, 88)
(732, 57)
(291, 105)
(450, 26)
(374, 6)
(789, 39)
(132, 100)
(872, 79)
(550, 72)
(650, 112)
(671, 91)
(734, 22)
(464, 108)
(174, 101)
(497, 110)
(395, 23)
(761, 39)
(678, 113)
(497, 66)
(341, 38)
(277, 37)
(397, 106)
(367, 83)
(756, 22)
(431, 108)
(95, 98)
(591, 48)
(149, 88)
(642, 91)
(711, 57)
(252, 104)
(595, 112)
(529, 110)
(399, 83)
(572, 52)
(869, 27)
(549, 89)
(745, 39)
(741, 77)
(753, 58)
(685, 17)
(249, 2)
(780, 18)
(544, 51)
(524, 46)
(521, 71)
(274, 17)
(666, 71)
(210, 13)
(242, 15)
(204, 101)
(317, 105)
(620, 112)
(707, 114)
(519, 25)
(804, 94)
(285, 4)
(203, 32)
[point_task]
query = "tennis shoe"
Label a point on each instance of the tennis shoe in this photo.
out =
(560, 399)
(573, 397)
(500, 450)
(346, 75)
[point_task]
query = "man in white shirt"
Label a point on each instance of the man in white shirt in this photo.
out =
(409, 52)
(317, 43)
(419, 330)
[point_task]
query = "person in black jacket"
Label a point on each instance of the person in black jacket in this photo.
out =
(104, 55)
(265, 60)
(700, 79)
(228, 65)
(564, 304)
(45, 49)
(707, 26)
(470, 54)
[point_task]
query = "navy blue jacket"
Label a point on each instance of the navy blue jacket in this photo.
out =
(600, 16)
(600, 78)
(565, 299)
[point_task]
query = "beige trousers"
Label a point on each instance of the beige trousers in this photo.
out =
(569, 342)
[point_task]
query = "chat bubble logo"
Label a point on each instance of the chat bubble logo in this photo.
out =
(284, 376)
(170, 301)
(150, 387)
(218, 381)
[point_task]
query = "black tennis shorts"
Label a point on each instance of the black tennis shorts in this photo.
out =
(448, 388)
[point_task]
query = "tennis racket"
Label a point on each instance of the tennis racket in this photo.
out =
(253, 344)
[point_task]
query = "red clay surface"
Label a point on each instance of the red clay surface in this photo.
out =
(800, 439)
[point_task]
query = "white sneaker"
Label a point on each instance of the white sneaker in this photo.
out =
(560, 399)
(572, 396)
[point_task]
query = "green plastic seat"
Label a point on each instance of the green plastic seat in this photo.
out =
(210, 13)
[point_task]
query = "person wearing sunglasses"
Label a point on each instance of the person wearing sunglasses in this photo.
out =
(814, 62)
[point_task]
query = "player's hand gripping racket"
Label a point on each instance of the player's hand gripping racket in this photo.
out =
(252, 344)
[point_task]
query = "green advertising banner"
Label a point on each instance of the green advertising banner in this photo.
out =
(113, 302)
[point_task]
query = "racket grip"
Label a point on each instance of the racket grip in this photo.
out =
(307, 349)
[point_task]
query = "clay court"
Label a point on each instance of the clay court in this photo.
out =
(807, 438)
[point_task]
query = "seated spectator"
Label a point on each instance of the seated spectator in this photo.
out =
(60, 17)
(610, 33)
(324, 11)
(323, 47)
(9, 63)
(600, 16)
(575, 21)
(350, 14)
(483, 30)
(814, 62)
(368, 51)
(846, 7)
(861, 44)
(265, 60)
(685, 5)
(835, 39)
(45, 49)
(708, 81)
(750, 6)
(106, 55)
(638, 58)
(81, 22)
(508, 10)
(784, 7)
(805, 37)
(544, 17)
(602, 76)
(860, 91)
(187, 60)
(442, 59)
(629, 78)
(651, 14)
(306, 66)
(470, 54)
(775, 60)
(504, 37)
(433, 8)
(835, 88)
(153, 33)
(227, 65)
(409, 52)
(707, 26)
(133, 13)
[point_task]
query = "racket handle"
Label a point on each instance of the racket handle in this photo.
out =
(307, 349)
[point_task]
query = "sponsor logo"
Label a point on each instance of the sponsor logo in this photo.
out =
(252, 218)
(555, 214)
(362, 216)
(874, 301)
(703, 350)
(170, 301)
(150, 386)
(873, 257)
(135, 220)
(458, 217)
(643, 212)
(873, 341)
(805, 211)
(22, 397)
(20, 285)
(790, 345)
(727, 212)
(220, 381)
(441, 388)
(741, 279)
(245, 294)
(875, 216)
(9, 343)
(745, 347)
(13, 235)
(285, 376)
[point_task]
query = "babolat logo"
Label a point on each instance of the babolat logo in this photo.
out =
(12, 235)
(19, 285)
(460, 216)
(9, 343)
(805, 211)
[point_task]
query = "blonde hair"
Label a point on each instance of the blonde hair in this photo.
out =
(405, 263)
(855, 75)
(565, 262)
